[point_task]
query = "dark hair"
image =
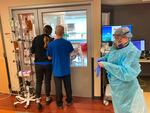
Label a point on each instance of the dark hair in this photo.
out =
(47, 29)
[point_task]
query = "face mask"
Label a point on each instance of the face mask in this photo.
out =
(119, 45)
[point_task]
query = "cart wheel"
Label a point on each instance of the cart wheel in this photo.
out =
(15, 105)
(26, 106)
(106, 102)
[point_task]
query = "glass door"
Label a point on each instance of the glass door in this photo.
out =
(25, 28)
(76, 21)
(25, 24)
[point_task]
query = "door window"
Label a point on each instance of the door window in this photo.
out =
(75, 24)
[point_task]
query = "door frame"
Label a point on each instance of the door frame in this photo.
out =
(74, 7)
(5, 55)
(14, 15)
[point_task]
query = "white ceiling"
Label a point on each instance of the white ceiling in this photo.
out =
(123, 2)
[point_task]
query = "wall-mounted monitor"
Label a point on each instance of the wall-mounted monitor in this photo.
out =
(140, 44)
(108, 31)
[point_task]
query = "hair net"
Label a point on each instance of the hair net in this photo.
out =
(123, 31)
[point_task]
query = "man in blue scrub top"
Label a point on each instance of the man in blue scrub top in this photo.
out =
(59, 51)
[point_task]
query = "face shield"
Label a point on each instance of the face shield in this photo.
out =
(119, 34)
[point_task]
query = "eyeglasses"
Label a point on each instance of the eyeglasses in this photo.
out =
(121, 34)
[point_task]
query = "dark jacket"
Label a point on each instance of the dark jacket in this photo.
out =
(38, 48)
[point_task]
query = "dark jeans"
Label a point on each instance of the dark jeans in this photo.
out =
(43, 71)
(58, 85)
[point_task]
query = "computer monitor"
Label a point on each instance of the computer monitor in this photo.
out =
(108, 31)
(140, 44)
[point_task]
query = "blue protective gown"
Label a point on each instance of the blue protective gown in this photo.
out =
(123, 68)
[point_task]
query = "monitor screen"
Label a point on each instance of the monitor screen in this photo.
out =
(140, 44)
(108, 31)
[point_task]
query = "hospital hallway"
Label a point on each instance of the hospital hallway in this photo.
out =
(80, 105)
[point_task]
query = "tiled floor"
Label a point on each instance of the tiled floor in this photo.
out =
(81, 105)
(6, 111)
(10, 111)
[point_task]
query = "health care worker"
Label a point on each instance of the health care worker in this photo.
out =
(122, 66)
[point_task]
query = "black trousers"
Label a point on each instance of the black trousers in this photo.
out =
(58, 86)
(43, 72)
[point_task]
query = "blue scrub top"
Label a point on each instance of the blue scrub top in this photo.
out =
(60, 50)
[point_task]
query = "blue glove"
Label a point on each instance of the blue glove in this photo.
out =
(98, 70)
(99, 59)
(108, 76)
